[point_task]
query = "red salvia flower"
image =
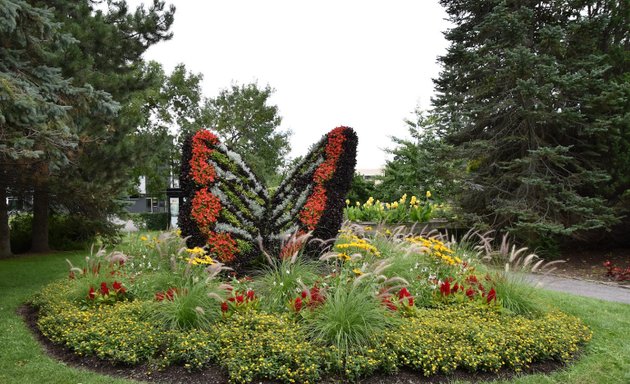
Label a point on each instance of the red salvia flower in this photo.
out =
(492, 295)
(470, 293)
(297, 304)
(171, 293)
(118, 287)
(404, 292)
(104, 289)
(472, 279)
(91, 293)
(240, 298)
(445, 288)
(250, 295)
(224, 306)
(159, 296)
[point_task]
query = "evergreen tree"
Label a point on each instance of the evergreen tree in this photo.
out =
(533, 94)
(37, 103)
(419, 164)
(106, 53)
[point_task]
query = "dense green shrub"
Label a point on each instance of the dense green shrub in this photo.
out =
(151, 221)
(65, 232)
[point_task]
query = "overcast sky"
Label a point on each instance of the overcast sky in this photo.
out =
(360, 63)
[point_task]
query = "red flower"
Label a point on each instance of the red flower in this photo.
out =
(201, 171)
(472, 279)
(118, 287)
(470, 293)
(607, 264)
(297, 304)
(104, 289)
(312, 211)
(171, 292)
(404, 292)
(223, 246)
(240, 299)
(205, 209)
(316, 296)
(410, 301)
(224, 306)
(445, 288)
(91, 294)
(455, 288)
(159, 296)
(492, 295)
(304, 294)
(250, 295)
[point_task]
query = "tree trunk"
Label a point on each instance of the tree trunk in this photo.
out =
(40, 220)
(5, 239)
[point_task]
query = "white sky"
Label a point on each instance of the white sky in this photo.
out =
(364, 64)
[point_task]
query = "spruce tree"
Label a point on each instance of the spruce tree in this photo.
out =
(106, 53)
(533, 94)
(37, 130)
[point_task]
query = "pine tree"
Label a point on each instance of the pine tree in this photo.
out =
(533, 94)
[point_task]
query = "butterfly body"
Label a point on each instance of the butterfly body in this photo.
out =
(228, 209)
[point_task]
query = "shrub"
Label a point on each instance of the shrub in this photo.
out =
(151, 221)
(65, 232)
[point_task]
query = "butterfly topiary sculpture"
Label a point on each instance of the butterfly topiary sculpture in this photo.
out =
(226, 208)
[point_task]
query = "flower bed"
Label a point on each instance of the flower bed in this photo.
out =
(371, 304)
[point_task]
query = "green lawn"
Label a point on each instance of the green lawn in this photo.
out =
(606, 359)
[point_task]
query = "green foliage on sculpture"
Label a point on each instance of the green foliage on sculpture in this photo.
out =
(227, 209)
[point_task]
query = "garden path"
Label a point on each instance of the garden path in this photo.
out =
(582, 288)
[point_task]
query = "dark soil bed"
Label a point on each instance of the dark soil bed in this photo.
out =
(214, 375)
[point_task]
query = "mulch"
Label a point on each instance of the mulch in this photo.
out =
(215, 375)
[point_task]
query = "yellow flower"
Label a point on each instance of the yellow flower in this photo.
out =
(347, 202)
(368, 228)
(358, 204)
(428, 194)
(357, 271)
(343, 256)
(403, 199)
(143, 238)
(413, 200)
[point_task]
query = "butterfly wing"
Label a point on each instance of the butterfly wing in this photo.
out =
(224, 202)
(312, 198)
